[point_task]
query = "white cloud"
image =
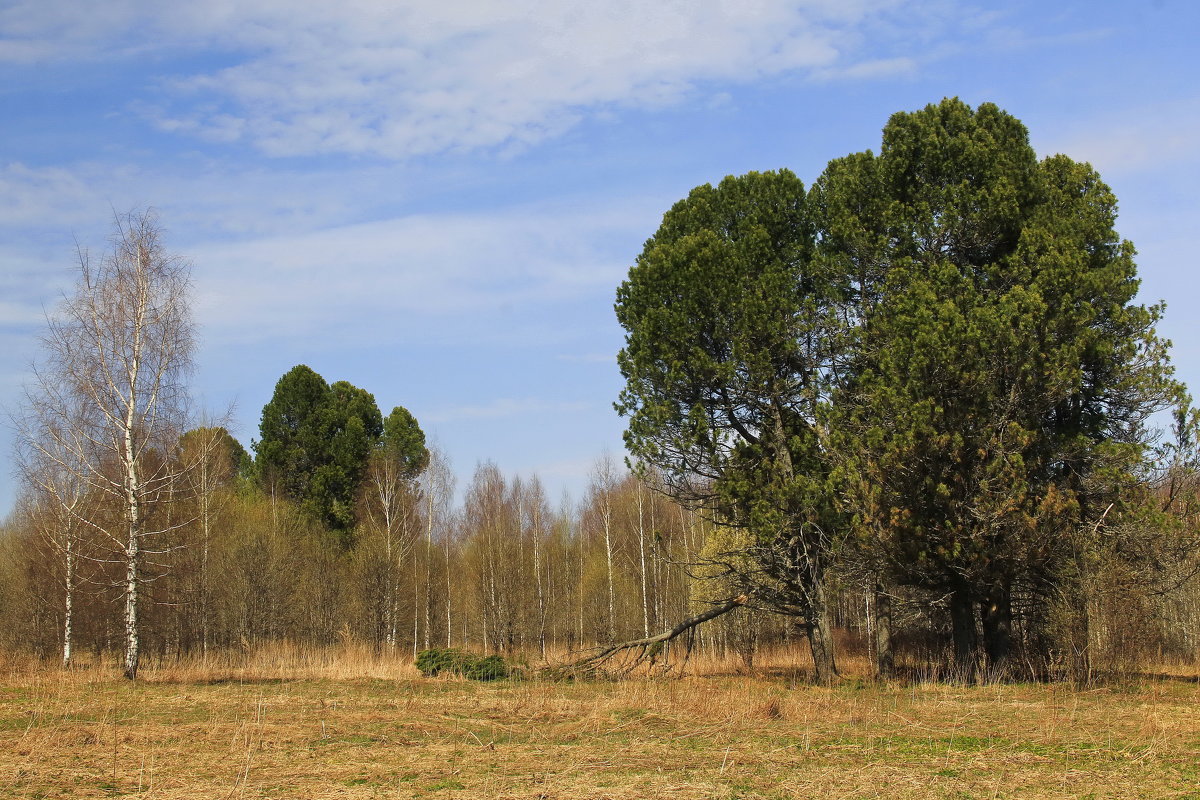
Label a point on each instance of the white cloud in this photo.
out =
(196, 200)
(40, 197)
(276, 256)
(399, 79)
(464, 271)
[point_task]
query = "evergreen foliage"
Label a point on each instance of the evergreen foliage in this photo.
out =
(1001, 374)
(913, 400)
(936, 349)
(732, 326)
(315, 443)
(436, 661)
(403, 442)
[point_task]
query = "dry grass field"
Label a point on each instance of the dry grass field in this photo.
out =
(344, 724)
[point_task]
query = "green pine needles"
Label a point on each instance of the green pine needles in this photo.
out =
(438, 660)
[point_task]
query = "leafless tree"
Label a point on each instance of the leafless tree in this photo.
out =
(437, 489)
(603, 486)
(209, 456)
(49, 462)
(110, 394)
(392, 512)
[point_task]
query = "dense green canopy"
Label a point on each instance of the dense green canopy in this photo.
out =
(1001, 372)
(403, 442)
(315, 443)
(939, 343)
(732, 328)
(222, 457)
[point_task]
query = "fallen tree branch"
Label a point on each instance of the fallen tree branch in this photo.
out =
(648, 648)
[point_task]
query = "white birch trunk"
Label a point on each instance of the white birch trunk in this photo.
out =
(68, 601)
(449, 618)
(537, 571)
(641, 502)
(113, 389)
(608, 556)
(133, 506)
(429, 571)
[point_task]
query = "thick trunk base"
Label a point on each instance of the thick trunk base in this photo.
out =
(996, 614)
(820, 637)
(966, 638)
(881, 632)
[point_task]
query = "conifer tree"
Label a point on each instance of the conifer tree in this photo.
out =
(1002, 373)
(315, 444)
(731, 328)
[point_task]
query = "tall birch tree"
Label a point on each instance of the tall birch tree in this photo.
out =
(113, 385)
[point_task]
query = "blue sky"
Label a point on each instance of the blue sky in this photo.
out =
(436, 201)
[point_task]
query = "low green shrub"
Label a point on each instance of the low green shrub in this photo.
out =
(448, 659)
(440, 659)
(489, 668)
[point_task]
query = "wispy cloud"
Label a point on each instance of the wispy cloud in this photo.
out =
(406, 79)
(502, 407)
(44, 196)
(202, 199)
(1140, 139)
(278, 249)
(588, 358)
(879, 68)
(575, 471)
(398, 274)
(19, 316)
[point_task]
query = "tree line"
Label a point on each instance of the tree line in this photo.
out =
(910, 407)
(246, 563)
(137, 533)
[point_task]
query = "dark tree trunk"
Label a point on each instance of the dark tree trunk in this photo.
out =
(820, 634)
(881, 630)
(966, 639)
(996, 613)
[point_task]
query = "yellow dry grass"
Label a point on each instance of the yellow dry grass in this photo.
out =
(344, 723)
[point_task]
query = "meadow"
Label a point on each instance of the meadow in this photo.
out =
(345, 723)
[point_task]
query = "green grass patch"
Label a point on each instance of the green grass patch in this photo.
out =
(448, 783)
